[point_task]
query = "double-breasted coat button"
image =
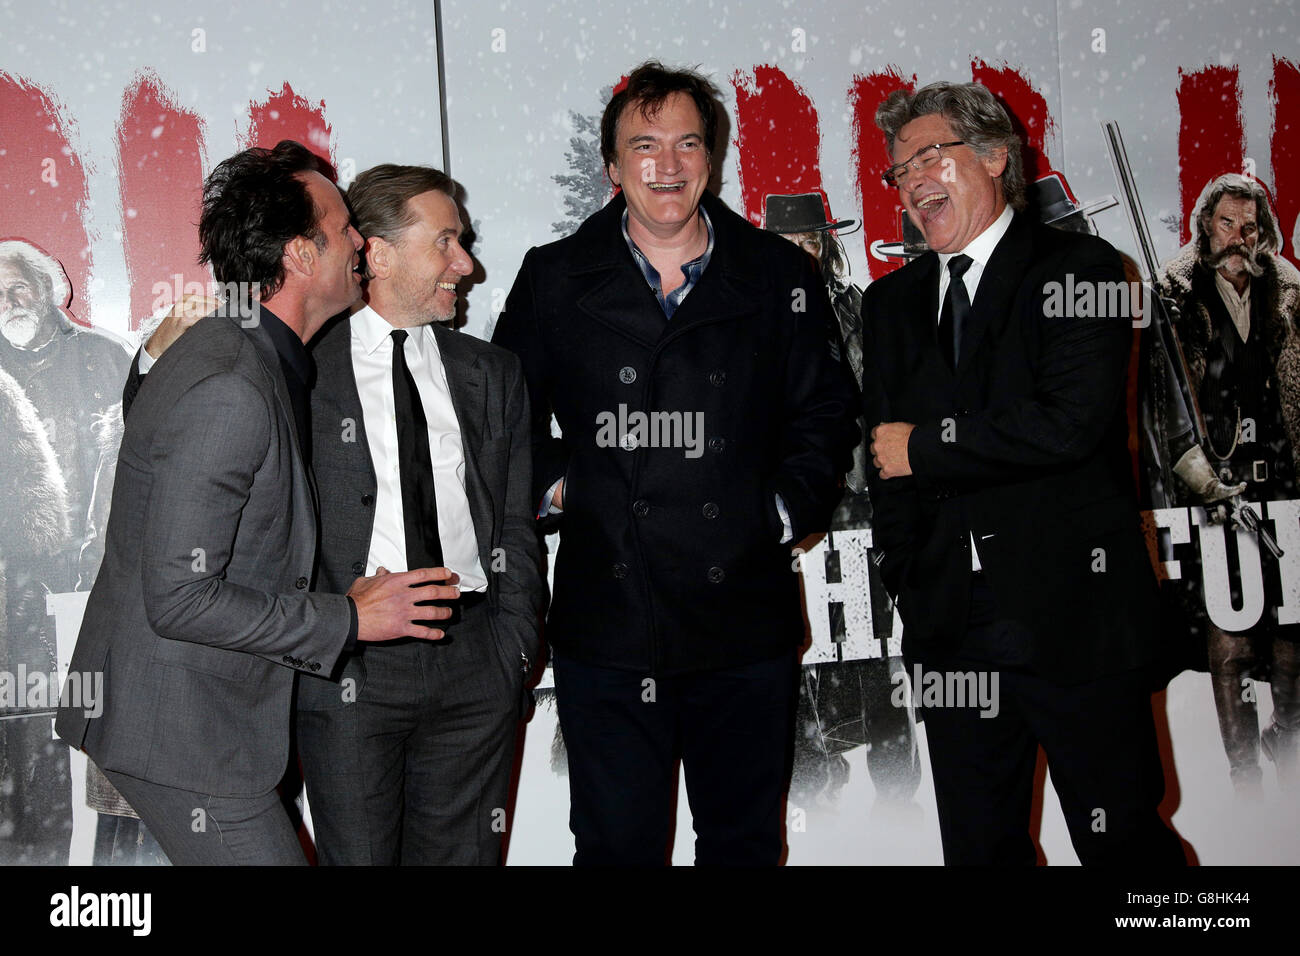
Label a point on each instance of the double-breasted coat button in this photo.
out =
(315, 665)
(716, 575)
(367, 500)
(627, 375)
(619, 570)
(711, 510)
(300, 584)
(717, 444)
(287, 659)
(717, 378)
(641, 508)
(358, 567)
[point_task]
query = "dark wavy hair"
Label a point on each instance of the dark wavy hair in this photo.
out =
(648, 88)
(253, 203)
(974, 114)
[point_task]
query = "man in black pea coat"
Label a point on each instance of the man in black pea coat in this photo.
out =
(1004, 502)
(692, 363)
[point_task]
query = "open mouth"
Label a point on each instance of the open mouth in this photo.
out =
(930, 206)
(447, 286)
(666, 187)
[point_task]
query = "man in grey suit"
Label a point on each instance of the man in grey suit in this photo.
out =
(202, 613)
(407, 757)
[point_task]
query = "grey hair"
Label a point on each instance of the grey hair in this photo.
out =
(974, 114)
(40, 268)
(1269, 238)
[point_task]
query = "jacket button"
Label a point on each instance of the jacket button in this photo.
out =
(711, 510)
(315, 665)
(717, 378)
(300, 584)
(620, 570)
(627, 375)
(641, 508)
(367, 500)
(716, 575)
(717, 444)
(358, 567)
(287, 659)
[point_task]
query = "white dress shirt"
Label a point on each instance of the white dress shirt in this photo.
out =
(980, 251)
(372, 363)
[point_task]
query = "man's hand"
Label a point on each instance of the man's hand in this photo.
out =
(185, 313)
(889, 448)
(557, 500)
(388, 605)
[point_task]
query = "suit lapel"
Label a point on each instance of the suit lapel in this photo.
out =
(270, 359)
(998, 286)
(468, 385)
(336, 386)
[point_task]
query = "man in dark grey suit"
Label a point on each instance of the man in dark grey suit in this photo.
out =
(202, 612)
(421, 447)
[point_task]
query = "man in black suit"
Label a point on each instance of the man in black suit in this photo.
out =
(691, 361)
(407, 754)
(1003, 498)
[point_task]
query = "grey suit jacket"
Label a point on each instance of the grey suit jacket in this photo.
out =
(491, 403)
(202, 611)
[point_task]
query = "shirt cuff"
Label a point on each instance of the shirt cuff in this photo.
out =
(787, 529)
(351, 643)
(548, 507)
(144, 361)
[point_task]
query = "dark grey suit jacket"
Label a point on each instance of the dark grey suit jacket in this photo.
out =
(202, 611)
(491, 402)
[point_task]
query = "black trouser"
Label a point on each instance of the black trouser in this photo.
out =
(732, 729)
(415, 768)
(1099, 738)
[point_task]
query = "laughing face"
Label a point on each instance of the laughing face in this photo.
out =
(662, 165)
(428, 263)
(953, 200)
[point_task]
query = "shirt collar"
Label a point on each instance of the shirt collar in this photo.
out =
(293, 354)
(1226, 289)
(373, 330)
(980, 249)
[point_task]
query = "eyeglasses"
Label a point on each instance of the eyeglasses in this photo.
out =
(923, 158)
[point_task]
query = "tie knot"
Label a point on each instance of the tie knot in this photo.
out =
(958, 265)
(399, 337)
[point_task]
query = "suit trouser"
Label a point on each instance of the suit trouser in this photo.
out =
(199, 829)
(1100, 742)
(416, 769)
(733, 730)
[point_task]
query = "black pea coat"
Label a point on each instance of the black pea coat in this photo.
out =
(1025, 445)
(670, 556)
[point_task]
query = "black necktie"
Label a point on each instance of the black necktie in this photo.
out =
(419, 502)
(956, 309)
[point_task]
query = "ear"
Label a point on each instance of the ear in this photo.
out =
(378, 256)
(300, 255)
(611, 170)
(995, 162)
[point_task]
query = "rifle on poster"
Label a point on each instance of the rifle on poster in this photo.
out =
(1171, 379)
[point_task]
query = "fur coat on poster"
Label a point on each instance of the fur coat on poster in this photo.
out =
(1275, 296)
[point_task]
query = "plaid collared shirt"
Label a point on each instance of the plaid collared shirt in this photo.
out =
(691, 270)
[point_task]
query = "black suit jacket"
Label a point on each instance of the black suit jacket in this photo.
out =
(488, 394)
(1025, 445)
(670, 557)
